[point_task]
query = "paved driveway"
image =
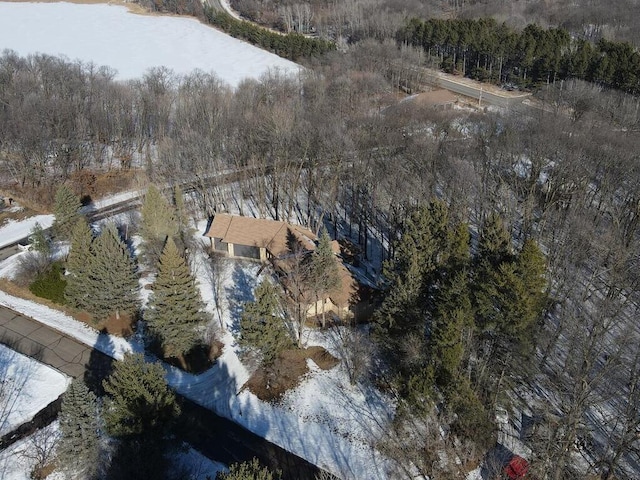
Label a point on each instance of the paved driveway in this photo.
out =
(45, 344)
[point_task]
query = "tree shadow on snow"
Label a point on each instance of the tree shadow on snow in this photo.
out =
(238, 293)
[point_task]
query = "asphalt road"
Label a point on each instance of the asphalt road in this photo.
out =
(483, 96)
(43, 343)
(216, 437)
(8, 252)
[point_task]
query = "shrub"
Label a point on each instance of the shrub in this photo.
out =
(50, 284)
(31, 265)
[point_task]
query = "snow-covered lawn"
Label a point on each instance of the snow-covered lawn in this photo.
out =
(12, 231)
(26, 387)
(131, 43)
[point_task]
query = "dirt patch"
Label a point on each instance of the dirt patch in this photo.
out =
(121, 327)
(87, 184)
(322, 358)
(271, 383)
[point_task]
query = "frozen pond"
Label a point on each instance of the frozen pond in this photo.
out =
(130, 43)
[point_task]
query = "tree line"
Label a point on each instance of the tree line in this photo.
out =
(293, 46)
(486, 50)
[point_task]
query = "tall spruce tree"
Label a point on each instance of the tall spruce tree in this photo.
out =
(452, 321)
(252, 470)
(261, 327)
(79, 291)
(494, 245)
(140, 411)
(493, 265)
(79, 446)
(139, 401)
(324, 270)
(112, 276)
(509, 291)
(66, 210)
(175, 310)
(39, 240)
(532, 268)
(420, 257)
(158, 222)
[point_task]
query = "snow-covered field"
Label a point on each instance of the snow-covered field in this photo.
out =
(131, 43)
(325, 420)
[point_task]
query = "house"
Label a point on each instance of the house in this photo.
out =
(255, 238)
(340, 300)
(271, 240)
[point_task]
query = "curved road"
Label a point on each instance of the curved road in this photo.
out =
(215, 437)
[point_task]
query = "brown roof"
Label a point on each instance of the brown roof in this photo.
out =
(345, 295)
(259, 232)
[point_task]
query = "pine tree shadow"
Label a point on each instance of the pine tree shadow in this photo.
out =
(100, 363)
(239, 293)
(139, 457)
(494, 461)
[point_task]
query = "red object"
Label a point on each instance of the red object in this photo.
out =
(517, 468)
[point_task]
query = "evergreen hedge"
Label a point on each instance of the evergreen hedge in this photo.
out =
(292, 46)
(50, 284)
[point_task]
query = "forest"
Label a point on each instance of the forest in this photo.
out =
(505, 243)
(335, 148)
(486, 51)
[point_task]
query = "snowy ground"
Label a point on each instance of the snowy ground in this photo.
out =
(325, 420)
(130, 43)
(26, 387)
(12, 231)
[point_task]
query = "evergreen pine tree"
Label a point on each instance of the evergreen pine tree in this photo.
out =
(158, 218)
(79, 446)
(138, 399)
(493, 269)
(260, 325)
(175, 309)
(66, 210)
(158, 223)
(420, 257)
(532, 268)
(79, 290)
(452, 320)
(39, 241)
(459, 250)
(511, 297)
(140, 411)
(112, 276)
(494, 245)
(248, 471)
(324, 269)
